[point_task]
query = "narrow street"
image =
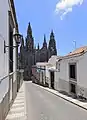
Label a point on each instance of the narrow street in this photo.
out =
(43, 105)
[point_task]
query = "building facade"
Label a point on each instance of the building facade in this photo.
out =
(67, 74)
(29, 55)
(8, 56)
(72, 73)
(44, 72)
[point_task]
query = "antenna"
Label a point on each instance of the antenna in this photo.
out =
(74, 44)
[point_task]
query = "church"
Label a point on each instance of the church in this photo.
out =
(30, 55)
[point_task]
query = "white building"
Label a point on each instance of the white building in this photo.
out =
(71, 75)
(50, 71)
(41, 69)
(47, 71)
(8, 56)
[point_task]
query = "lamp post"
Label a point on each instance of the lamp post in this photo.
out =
(18, 39)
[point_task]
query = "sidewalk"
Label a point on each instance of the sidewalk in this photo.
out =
(80, 104)
(17, 111)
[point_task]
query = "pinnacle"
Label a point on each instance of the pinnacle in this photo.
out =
(44, 38)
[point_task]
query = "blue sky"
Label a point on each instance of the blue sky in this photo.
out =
(43, 18)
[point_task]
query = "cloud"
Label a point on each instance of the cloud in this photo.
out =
(65, 6)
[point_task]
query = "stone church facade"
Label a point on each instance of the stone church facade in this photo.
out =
(29, 55)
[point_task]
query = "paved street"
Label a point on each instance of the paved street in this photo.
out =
(43, 105)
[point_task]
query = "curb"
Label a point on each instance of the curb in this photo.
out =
(64, 98)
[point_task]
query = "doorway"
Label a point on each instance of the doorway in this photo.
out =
(52, 79)
(72, 71)
(72, 88)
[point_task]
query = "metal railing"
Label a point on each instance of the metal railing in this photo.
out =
(11, 79)
(1, 79)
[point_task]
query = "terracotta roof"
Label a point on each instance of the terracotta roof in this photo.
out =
(78, 51)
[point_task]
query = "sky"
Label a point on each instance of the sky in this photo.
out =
(67, 18)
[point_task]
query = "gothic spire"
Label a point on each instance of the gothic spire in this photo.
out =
(52, 45)
(22, 42)
(29, 39)
(29, 31)
(44, 38)
(38, 47)
(45, 43)
(52, 35)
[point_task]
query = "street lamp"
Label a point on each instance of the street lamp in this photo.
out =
(18, 38)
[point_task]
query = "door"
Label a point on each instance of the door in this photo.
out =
(72, 88)
(52, 79)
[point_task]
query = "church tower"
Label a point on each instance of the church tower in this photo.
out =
(22, 43)
(21, 59)
(52, 45)
(45, 43)
(43, 51)
(29, 39)
(38, 47)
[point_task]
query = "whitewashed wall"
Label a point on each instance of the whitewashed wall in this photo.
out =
(4, 29)
(48, 75)
(62, 77)
(82, 71)
(82, 75)
(52, 60)
(3, 36)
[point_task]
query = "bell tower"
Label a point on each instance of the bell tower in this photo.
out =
(45, 43)
(52, 45)
(29, 39)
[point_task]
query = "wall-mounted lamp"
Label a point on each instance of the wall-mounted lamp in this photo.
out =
(18, 38)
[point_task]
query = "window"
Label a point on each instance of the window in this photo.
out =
(52, 79)
(72, 71)
(58, 66)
